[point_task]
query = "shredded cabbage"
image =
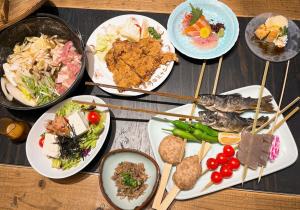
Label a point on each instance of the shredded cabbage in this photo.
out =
(68, 108)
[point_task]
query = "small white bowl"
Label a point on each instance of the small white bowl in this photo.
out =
(108, 187)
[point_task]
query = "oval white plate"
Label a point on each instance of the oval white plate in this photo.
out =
(98, 71)
(40, 162)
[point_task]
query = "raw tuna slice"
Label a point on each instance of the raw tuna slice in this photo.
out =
(207, 43)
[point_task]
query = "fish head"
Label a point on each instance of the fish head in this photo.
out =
(206, 100)
(207, 117)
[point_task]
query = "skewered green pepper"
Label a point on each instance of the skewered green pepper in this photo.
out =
(183, 134)
(205, 129)
(200, 135)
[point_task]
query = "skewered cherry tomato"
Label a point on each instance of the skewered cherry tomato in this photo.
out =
(234, 163)
(212, 163)
(228, 151)
(216, 177)
(222, 159)
(226, 171)
(94, 117)
(41, 141)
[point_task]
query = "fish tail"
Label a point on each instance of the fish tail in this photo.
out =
(265, 106)
(262, 120)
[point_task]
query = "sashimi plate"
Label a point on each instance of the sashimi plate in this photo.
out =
(287, 156)
(213, 10)
(40, 162)
(98, 70)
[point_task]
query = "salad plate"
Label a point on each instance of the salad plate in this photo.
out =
(287, 156)
(97, 67)
(46, 161)
(214, 12)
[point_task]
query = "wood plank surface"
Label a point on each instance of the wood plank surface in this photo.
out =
(23, 188)
(243, 8)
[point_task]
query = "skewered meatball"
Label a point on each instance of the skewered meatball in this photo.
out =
(171, 149)
(187, 173)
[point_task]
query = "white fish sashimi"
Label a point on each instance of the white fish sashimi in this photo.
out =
(18, 95)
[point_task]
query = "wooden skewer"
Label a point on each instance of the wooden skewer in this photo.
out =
(277, 113)
(167, 167)
(148, 111)
(270, 131)
(175, 190)
(217, 75)
(163, 94)
(257, 112)
(273, 118)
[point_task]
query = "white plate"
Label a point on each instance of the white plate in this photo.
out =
(98, 71)
(287, 156)
(40, 162)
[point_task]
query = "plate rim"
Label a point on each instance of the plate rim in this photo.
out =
(94, 151)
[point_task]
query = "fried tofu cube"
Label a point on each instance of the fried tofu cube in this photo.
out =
(261, 32)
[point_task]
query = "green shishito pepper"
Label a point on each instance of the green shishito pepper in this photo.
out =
(205, 129)
(204, 136)
(182, 125)
(183, 134)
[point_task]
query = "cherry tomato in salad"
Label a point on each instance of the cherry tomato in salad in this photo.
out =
(222, 158)
(212, 163)
(94, 117)
(41, 141)
(216, 177)
(228, 151)
(234, 163)
(226, 171)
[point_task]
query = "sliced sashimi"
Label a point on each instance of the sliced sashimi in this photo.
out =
(206, 43)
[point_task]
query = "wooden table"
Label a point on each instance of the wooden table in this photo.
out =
(22, 188)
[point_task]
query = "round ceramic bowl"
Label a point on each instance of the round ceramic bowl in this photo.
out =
(107, 185)
(34, 26)
(213, 10)
(267, 51)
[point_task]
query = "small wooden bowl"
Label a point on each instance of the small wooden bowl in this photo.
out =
(107, 185)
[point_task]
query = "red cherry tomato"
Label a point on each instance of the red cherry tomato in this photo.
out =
(234, 163)
(216, 177)
(212, 163)
(93, 117)
(222, 159)
(226, 171)
(41, 141)
(228, 151)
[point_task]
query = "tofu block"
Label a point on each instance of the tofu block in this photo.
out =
(78, 122)
(50, 147)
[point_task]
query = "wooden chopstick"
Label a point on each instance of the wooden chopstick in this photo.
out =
(163, 94)
(148, 111)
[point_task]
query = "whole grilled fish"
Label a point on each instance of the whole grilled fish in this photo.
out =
(234, 103)
(228, 122)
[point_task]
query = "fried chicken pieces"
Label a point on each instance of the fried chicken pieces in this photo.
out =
(133, 63)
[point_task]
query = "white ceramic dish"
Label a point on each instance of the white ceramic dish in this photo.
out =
(288, 149)
(40, 162)
(107, 185)
(98, 71)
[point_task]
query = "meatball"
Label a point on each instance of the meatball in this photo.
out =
(171, 149)
(187, 173)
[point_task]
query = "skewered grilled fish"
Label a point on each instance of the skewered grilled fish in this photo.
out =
(228, 122)
(234, 103)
